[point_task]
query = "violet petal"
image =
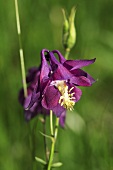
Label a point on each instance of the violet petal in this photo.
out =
(79, 72)
(61, 58)
(51, 98)
(58, 110)
(61, 73)
(74, 64)
(62, 119)
(77, 92)
(80, 81)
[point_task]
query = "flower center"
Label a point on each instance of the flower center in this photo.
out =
(67, 96)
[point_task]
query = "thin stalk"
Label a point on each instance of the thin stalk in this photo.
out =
(21, 49)
(45, 144)
(56, 128)
(67, 51)
(54, 138)
(51, 123)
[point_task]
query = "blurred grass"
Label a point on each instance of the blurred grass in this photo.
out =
(41, 23)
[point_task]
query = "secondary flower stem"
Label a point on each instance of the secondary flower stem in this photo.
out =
(54, 137)
(45, 144)
(21, 49)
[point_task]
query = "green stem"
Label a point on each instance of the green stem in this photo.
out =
(56, 128)
(51, 122)
(67, 51)
(21, 49)
(54, 137)
(45, 144)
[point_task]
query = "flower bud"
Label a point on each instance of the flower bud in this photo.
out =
(69, 31)
(65, 29)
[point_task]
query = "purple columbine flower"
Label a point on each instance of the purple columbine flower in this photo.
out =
(54, 85)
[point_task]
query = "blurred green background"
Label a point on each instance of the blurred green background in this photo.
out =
(87, 141)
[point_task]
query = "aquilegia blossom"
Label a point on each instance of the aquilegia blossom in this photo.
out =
(54, 85)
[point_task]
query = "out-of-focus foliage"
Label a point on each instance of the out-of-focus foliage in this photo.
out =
(41, 21)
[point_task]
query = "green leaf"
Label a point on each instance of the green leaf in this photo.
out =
(56, 165)
(40, 160)
(47, 136)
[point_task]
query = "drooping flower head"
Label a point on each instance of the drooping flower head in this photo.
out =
(54, 85)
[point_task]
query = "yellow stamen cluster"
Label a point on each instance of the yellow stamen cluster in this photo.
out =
(66, 98)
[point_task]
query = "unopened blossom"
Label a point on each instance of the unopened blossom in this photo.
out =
(69, 30)
(54, 85)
